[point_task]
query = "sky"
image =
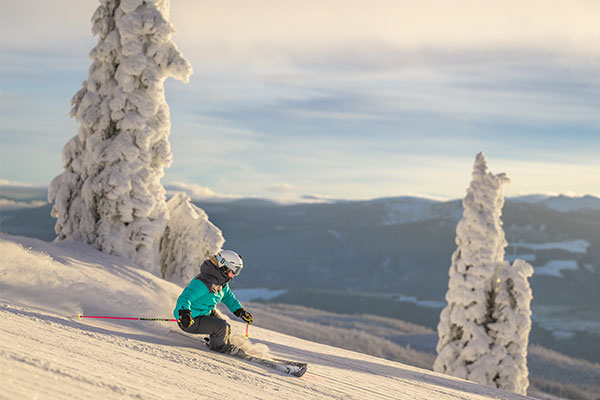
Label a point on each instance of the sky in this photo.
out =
(328, 99)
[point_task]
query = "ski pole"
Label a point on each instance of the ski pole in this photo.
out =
(247, 335)
(127, 318)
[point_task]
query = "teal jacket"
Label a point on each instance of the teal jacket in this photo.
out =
(197, 298)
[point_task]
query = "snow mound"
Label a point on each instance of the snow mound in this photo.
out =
(72, 277)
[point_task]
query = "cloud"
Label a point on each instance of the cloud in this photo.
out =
(263, 31)
(339, 115)
(197, 192)
(528, 87)
(285, 193)
(365, 61)
(269, 30)
(15, 184)
(566, 177)
(316, 198)
(7, 204)
(15, 195)
(353, 99)
(281, 188)
(47, 27)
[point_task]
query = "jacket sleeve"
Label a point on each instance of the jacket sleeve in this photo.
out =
(191, 293)
(230, 300)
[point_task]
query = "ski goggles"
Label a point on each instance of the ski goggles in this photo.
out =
(227, 272)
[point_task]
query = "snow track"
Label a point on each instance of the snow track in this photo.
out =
(45, 355)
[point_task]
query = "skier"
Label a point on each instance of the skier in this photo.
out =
(195, 307)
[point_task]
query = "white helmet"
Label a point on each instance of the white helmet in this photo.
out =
(231, 260)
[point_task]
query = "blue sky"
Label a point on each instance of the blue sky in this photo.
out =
(334, 99)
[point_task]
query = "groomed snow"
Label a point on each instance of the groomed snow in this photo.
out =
(46, 353)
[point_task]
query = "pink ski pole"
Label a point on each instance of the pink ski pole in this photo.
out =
(128, 318)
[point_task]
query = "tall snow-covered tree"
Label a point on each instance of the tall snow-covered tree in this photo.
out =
(109, 193)
(190, 238)
(484, 329)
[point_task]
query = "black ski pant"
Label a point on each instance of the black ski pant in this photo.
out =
(213, 325)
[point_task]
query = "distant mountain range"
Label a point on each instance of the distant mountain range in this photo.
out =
(391, 256)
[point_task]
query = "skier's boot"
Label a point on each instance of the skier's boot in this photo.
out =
(229, 348)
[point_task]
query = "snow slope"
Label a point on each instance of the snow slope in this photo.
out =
(46, 353)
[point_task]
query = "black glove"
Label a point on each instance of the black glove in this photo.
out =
(243, 314)
(185, 318)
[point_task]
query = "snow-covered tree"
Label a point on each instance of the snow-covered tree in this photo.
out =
(513, 323)
(190, 238)
(484, 329)
(110, 194)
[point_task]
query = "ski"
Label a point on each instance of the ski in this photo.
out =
(288, 367)
(293, 368)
